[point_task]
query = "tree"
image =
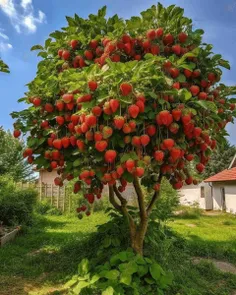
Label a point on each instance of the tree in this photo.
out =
(11, 160)
(3, 67)
(117, 102)
(220, 160)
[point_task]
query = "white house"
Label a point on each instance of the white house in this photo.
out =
(217, 192)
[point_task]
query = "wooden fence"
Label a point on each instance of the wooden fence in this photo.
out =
(62, 197)
(58, 197)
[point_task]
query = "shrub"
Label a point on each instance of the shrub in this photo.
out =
(44, 207)
(16, 206)
(190, 212)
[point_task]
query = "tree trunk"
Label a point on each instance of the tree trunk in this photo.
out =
(137, 240)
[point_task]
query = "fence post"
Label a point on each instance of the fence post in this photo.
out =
(58, 195)
(51, 194)
(40, 192)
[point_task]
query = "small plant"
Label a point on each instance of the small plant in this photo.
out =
(123, 273)
(45, 207)
(191, 212)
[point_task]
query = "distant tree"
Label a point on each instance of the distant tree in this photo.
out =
(220, 160)
(3, 67)
(11, 160)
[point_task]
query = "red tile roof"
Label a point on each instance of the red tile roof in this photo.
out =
(225, 175)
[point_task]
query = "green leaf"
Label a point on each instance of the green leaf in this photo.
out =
(110, 274)
(155, 271)
(76, 163)
(224, 64)
(126, 279)
(207, 105)
(128, 177)
(109, 291)
(184, 94)
(83, 267)
(36, 47)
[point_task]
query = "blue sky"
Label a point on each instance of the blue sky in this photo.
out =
(24, 23)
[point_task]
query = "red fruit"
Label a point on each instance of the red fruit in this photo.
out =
(175, 153)
(196, 73)
(80, 144)
(36, 101)
(28, 152)
(59, 52)
(97, 136)
(189, 180)
(91, 120)
(65, 54)
(97, 111)
(157, 187)
(182, 37)
(132, 124)
(73, 140)
(133, 111)
(174, 128)
(60, 105)
(130, 164)
(65, 142)
(60, 120)
(139, 171)
(67, 98)
(204, 83)
(110, 156)
(57, 181)
(168, 143)
(155, 49)
(211, 77)
(101, 145)
(73, 43)
(202, 95)
(151, 130)
(136, 141)
(232, 106)
(159, 32)
(137, 57)
(127, 139)
(114, 105)
(93, 44)
(151, 34)
(186, 119)
(165, 118)
(92, 85)
(145, 139)
(141, 106)
(75, 119)
(187, 73)
(146, 44)
(53, 164)
(176, 49)
(90, 198)
(16, 133)
(194, 89)
(88, 54)
(119, 122)
(174, 72)
(168, 39)
(197, 131)
(167, 64)
(126, 88)
(178, 185)
(126, 128)
(49, 107)
(107, 132)
(84, 127)
(57, 143)
(189, 157)
(120, 170)
(159, 156)
(200, 167)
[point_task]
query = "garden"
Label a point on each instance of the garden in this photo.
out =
(119, 107)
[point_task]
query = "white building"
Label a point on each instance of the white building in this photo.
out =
(217, 192)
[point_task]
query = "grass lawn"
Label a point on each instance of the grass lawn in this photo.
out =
(209, 235)
(39, 261)
(49, 252)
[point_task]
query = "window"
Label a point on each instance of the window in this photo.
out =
(202, 192)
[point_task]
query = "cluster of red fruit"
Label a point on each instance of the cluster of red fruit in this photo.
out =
(164, 143)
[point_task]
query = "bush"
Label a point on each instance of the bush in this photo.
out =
(16, 206)
(190, 212)
(44, 207)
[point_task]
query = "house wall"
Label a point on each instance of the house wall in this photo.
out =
(47, 177)
(191, 194)
(230, 196)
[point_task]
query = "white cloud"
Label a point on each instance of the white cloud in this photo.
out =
(2, 35)
(5, 46)
(23, 15)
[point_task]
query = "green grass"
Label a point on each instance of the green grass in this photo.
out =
(209, 235)
(47, 254)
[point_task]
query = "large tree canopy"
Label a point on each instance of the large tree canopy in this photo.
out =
(11, 160)
(119, 101)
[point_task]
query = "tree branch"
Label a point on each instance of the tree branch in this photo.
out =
(119, 196)
(112, 199)
(154, 198)
(138, 190)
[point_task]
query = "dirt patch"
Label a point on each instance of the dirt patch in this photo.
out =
(212, 213)
(191, 225)
(220, 265)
